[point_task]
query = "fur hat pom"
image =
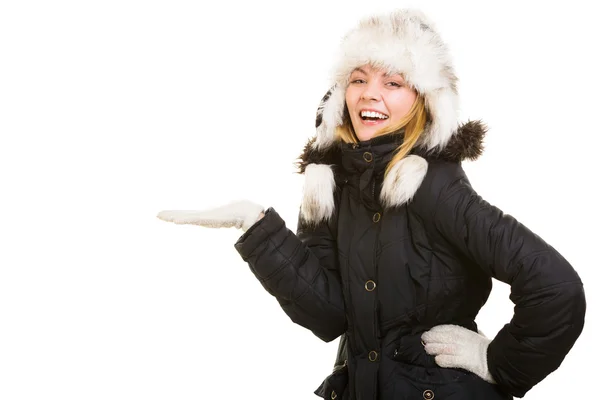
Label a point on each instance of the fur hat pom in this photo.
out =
(403, 180)
(317, 199)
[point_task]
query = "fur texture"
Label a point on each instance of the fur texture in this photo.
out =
(317, 200)
(403, 181)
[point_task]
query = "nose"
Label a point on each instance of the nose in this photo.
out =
(371, 92)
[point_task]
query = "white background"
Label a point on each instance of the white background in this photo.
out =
(111, 111)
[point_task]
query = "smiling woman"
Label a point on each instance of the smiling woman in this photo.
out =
(395, 251)
(114, 110)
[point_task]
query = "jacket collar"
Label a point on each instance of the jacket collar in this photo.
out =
(324, 167)
(372, 154)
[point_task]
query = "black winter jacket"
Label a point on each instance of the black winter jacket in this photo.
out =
(381, 277)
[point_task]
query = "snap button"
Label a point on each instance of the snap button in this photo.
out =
(428, 394)
(355, 145)
(373, 355)
(370, 285)
(333, 394)
(395, 353)
(376, 217)
(368, 156)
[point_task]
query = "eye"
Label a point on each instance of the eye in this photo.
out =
(395, 84)
(358, 80)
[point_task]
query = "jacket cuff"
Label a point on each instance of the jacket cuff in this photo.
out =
(260, 231)
(500, 368)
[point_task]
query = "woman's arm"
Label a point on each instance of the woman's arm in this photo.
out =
(546, 290)
(300, 270)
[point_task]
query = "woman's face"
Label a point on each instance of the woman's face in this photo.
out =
(377, 100)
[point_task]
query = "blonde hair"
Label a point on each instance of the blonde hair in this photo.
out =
(413, 124)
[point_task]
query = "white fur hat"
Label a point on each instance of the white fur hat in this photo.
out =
(402, 42)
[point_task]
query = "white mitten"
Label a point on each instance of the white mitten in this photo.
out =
(457, 347)
(239, 214)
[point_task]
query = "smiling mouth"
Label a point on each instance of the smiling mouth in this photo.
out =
(373, 116)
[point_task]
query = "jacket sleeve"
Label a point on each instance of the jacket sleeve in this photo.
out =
(300, 270)
(547, 292)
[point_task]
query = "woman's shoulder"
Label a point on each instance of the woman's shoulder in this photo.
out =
(442, 171)
(440, 176)
(444, 167)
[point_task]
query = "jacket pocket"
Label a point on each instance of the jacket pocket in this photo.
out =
(335, 386)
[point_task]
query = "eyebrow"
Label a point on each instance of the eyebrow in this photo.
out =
(394, 73)
(360, 70)
(386, 74)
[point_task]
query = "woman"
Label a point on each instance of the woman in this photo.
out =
(394, 250)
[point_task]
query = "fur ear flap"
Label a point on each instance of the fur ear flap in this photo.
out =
(403, 180)
(317, 200)
(331, 116)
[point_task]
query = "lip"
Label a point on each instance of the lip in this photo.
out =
(373, 123)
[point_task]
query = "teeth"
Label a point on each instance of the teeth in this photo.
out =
(373, 114)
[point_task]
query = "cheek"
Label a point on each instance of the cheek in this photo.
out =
(400, 103)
